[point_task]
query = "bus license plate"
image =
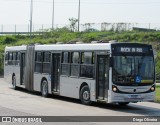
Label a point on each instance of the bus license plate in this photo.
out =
(133, 96)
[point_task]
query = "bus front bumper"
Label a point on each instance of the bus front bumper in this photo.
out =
(118, 97)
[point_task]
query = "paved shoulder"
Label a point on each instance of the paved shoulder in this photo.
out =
(10, 112)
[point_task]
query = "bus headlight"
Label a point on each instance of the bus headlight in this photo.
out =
(152, 88)
(114, 88)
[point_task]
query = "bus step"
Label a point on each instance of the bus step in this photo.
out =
(23, 86)
(56, 93)
(100, 100)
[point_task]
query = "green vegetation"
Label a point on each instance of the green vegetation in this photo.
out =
(67, 35)
(158, 94)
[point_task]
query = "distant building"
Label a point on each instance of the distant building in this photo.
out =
(143, 29)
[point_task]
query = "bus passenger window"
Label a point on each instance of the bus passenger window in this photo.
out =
(39, 56)
(75, 57)
(38, 62)
(18, 56)
(75, 64)
(87, 65)
(47, 56)
(65, 66)
(46, 62)
(14, 58)
(65, 57)
(10, 58)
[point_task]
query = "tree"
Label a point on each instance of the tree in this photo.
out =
(88, 27)
(105, 26)
(73, 23)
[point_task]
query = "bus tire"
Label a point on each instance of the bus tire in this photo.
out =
(44, 88)
(14, 83)
(85, 95)
(123, 103)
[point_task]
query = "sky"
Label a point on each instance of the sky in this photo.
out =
(92, 11)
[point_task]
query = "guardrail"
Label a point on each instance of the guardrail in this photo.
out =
(21, 33)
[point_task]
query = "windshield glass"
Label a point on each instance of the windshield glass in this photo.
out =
(133, 69)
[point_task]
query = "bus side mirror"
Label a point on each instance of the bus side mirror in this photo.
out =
(110, 61)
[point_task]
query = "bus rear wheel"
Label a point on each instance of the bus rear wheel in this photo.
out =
(14, 82)
(44, 88)
(85, 95)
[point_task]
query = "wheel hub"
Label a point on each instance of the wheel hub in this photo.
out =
(44, 89)
(86, 95)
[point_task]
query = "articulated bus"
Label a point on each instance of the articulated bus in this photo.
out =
(106, 72)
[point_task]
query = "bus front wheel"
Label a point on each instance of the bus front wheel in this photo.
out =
(85, 95)
(44, 88)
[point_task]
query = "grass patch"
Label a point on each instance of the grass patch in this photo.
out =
(157, 81)
(158, 94)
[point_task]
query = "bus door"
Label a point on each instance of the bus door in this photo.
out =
(55, 73)
(102, 81)
(22, 66)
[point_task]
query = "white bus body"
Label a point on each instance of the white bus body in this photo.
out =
(90, 72)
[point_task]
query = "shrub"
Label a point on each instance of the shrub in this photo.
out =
(9, 40)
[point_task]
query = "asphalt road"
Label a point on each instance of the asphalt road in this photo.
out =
(23, 103)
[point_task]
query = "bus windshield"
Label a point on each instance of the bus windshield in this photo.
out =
(133, 70)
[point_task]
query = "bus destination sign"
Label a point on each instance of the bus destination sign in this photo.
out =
(132, 49)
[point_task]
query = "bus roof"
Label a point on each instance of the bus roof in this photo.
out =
(70, 47)
(78, 47)
(16, 48)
